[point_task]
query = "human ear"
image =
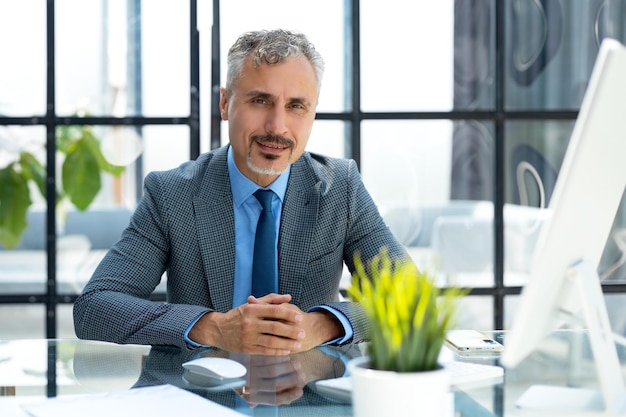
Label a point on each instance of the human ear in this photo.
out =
(223, 103)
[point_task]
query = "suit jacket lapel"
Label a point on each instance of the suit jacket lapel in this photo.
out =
(215, 224)
(297, 226)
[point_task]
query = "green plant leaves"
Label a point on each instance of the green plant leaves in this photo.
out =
(408, 314)
(80, 179)
(94, 146)
(14, 202)
(81, 174)
(33, 170)
(82, 166)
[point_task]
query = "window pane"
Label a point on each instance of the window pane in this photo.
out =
(80, 63)
(473, 160)
(22, 321)
(407, 55)
(476, 312)
(510, 306)
(166, 147)
(410, 180)
(23, 268)
(23, 52)
(458, 155)
(616, 306)
(121, 146)
(474, 55)
(552, 48)
(534, 152)
(328, 137)
(85, 237)
(407, 162)
(65, 321)
(165, 57)
(120, 63)
(307, 17)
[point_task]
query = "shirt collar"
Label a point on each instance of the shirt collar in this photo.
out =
(242, 187)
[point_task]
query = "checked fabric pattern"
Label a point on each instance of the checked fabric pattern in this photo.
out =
(184, 227)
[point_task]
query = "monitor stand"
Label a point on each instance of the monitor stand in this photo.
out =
(610, 400)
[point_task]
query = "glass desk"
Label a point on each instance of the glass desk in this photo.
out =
(32, 370)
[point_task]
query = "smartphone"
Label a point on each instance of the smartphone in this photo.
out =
(472, 341)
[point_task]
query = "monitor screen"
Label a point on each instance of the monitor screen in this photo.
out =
(586, 197)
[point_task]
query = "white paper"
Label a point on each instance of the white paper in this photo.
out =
(157, 401)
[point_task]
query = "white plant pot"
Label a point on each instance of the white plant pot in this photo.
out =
(377, 393)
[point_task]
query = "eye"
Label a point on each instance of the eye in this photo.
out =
(298, 106)
(259, 100)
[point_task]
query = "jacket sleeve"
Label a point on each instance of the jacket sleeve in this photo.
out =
(115, 304)
(366, 235)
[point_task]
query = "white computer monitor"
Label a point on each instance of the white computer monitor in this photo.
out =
(563, 276)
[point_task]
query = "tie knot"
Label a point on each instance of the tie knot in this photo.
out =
(265, 198)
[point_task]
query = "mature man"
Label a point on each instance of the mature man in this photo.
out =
(198, 223)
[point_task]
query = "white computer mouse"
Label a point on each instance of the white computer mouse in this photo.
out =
(216, 368)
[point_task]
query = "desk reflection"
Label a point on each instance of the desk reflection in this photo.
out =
(271, 381)
(31, 370)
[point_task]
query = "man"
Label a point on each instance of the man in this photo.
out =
(198, 222)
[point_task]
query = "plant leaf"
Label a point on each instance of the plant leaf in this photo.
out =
(66, 136)
(14, 203)
(93, 144)
(81, 175)
(408, 315)
(33, 170)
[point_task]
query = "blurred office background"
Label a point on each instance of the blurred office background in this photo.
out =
(458, 113)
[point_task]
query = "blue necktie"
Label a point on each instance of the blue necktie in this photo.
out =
(264, 270)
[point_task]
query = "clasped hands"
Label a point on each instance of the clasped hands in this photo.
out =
(280, 380)
(268, 325)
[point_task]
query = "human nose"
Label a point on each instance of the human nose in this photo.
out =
(276, 123)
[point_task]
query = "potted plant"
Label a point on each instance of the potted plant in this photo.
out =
(408, 317)
(82, 165)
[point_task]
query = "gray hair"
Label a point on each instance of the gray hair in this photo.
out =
(270, 47)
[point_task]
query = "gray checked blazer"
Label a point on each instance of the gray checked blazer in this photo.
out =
(184, 225)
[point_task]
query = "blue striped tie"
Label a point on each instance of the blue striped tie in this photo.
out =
(264, 270)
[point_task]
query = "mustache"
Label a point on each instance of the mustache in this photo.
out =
(277, 139)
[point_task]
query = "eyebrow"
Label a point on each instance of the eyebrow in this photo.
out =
(262, 94)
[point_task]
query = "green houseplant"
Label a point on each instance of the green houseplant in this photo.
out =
(408, 317)
(82, 165)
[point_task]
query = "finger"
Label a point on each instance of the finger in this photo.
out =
(282, 312)
(281, 329)
(287, 396)
(267, 361)
(259, 384)
(270, 299)
(274, 398)
(264, 350)
(266, 344)
(279, 366)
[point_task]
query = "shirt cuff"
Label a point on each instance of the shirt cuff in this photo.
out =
(345, 323)
(188, 340)
(334, 352)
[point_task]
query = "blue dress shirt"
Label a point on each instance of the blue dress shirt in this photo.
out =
(247, 210)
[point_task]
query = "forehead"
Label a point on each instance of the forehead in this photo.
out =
(295, 77)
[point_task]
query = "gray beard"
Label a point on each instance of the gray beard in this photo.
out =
(265, 171)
